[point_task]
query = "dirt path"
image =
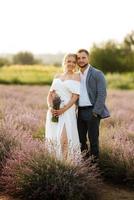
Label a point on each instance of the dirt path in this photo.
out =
(6, 197)
(110, 192)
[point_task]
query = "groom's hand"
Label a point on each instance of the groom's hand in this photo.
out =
(94, 114)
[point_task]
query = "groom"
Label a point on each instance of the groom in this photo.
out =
(91, 105)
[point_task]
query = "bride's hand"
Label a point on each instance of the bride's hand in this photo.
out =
(60, 111)
(53, 111)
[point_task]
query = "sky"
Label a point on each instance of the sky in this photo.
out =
(57, 26)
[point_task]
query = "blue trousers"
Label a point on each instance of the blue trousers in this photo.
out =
(88, 128)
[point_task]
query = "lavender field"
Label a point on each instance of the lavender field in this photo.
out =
(22, 122)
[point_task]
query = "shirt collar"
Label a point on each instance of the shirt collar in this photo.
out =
(85, 72)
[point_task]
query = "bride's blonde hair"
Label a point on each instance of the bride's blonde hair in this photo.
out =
(67, 56)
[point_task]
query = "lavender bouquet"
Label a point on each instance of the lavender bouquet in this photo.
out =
(56, 105)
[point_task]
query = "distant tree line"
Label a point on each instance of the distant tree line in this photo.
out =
(21, 58)
(113, 57)
(4, 61)
(25, 58)
(109, 56)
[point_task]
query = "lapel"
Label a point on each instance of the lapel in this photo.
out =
(89, 74)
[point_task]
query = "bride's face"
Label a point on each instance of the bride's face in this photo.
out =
(70, 64)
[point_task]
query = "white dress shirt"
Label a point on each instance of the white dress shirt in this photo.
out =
(84, 98)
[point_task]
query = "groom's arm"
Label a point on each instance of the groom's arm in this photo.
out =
(101, 93)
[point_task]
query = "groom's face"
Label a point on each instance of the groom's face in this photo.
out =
(82, 59)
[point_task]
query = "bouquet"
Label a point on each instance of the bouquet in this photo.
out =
(56, 105)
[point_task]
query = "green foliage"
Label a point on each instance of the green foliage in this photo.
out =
(129, 42)
(4, 61)
(24, 58)
(30, 75)
(39, 134)
(43, 75)
(113, 57)
(114, 169)
(120, 81)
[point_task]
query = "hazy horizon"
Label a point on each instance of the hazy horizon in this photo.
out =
(60, 26)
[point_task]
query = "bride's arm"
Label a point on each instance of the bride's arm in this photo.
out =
(67, 106)
(49, 99)
(50, 95)
(72, 101)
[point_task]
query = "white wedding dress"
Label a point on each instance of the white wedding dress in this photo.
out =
(53, 132)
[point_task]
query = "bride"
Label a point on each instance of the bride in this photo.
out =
(63, 131)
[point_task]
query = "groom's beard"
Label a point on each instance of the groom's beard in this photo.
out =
(83, 66)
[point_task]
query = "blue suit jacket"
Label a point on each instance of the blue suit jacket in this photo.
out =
(96, 88)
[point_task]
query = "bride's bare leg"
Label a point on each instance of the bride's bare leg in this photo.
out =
(64, 143)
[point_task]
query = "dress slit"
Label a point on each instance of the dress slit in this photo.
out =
(64, 142)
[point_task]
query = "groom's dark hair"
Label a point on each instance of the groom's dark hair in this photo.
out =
(83, 50)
